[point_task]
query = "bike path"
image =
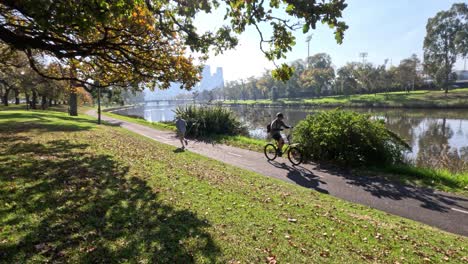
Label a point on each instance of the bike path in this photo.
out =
(438, 209)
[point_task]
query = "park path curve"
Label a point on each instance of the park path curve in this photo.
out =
(438, 209)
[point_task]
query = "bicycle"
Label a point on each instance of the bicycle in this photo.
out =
(292, 149)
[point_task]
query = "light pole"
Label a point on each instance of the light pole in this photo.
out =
(27, 101)
(308, 39)
(363, 55)
(99, 102)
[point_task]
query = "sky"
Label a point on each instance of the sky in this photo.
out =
(385, 29)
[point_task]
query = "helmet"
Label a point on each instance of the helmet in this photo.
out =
(280, 115)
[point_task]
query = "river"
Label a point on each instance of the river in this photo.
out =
(439, 138)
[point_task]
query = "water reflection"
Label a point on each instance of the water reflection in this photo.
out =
(439, 138)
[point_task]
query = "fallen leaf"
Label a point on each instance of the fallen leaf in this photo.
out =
(271, 260)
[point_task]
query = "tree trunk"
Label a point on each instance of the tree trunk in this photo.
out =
(5, 100)
(17, 99)
(34, 100)
(44, 102)
(5, 97)
(73, 104)
(447, 69)
(50, 102)
(27, 101)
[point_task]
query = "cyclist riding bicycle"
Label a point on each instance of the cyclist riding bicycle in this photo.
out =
(276, 127)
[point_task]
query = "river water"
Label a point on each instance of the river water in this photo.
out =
(439, 138)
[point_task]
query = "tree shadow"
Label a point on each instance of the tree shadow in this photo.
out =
(383, 188)
(73, 203)
(22, 122)
(301, 176)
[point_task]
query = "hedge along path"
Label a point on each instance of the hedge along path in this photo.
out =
(438, 209)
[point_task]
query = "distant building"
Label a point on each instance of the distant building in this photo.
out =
(462, 76)
(208, 82)
(211, 81)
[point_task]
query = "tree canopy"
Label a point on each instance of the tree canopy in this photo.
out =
(446, 39)
(132, 42)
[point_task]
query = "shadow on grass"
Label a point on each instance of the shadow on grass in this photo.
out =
(49, 122)
(72, 205)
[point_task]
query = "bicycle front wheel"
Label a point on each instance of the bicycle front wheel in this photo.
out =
(270, 152)
(295, 156)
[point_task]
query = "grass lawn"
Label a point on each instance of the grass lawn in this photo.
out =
(456, 98)
(72, 191)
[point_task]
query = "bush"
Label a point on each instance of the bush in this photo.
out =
(348, 138)
(204, 121)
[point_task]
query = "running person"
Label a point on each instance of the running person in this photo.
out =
(275, 131)
(181, 126)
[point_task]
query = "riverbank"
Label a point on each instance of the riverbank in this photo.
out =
(89, 193)
(455, 99)
(439, 179)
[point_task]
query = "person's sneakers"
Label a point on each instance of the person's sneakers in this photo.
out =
(280, 153)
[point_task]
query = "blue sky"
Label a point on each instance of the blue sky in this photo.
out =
(385, 29)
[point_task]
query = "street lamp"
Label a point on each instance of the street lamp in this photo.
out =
(27, 101)
(99, 101)
(308, 39)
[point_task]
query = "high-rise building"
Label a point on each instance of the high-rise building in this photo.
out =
(208, 82)
(211, 81)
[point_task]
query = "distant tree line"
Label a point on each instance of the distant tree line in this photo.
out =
(315, 77)
(446, 40)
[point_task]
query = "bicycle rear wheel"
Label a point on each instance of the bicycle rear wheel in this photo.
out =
(295, 155)
(270, 152)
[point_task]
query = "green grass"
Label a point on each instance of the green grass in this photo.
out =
(456, 98)
(157, 125)
(88, 193)
(241, 142)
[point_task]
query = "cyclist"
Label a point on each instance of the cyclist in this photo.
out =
(275, 131)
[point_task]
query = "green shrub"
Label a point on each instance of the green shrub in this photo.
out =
(204, 121)
(348, 138)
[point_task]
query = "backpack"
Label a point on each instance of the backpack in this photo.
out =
(269, 128)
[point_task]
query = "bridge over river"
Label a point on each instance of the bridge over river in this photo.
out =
(167, 101)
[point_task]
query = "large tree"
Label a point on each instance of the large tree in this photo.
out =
(408, 74)
(319, 74)
(347, 81)
(137, 41)
(445, 40)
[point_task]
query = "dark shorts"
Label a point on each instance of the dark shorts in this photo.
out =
(180, 134)
(276, 136)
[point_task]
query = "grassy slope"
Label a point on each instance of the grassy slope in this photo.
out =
(236, 141)
(438, 179)
(430, 99)
(73, 191)
(141, 121)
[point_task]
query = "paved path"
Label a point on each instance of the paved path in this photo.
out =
(438, 209)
